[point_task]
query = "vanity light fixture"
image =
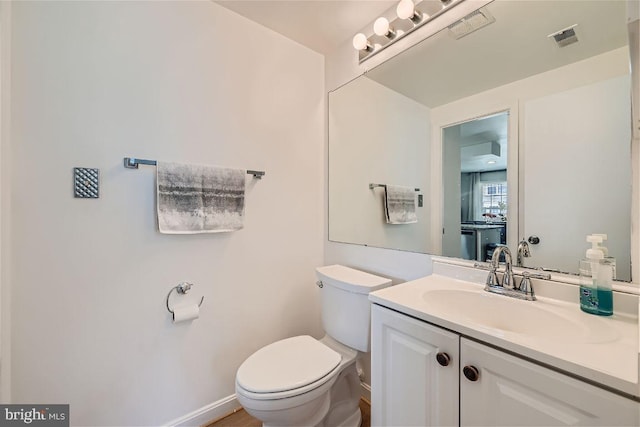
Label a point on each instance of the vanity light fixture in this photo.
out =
(361, 43)
(382, 28)
(410, 16)
(407, 10)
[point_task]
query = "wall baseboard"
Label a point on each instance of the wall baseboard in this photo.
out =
(208, 413)
(227, 405)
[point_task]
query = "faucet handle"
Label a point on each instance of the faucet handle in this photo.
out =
(523, 248)
(508, 280)
(492, 279)
(525, 285)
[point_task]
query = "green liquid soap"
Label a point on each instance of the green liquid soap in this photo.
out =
(605, 302)
(596, 301)
(588, 300)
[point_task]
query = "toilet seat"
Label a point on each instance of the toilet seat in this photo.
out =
(287, 368)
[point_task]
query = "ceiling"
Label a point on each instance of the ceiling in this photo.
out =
(442, 69)
(319, 25)
(479, 133)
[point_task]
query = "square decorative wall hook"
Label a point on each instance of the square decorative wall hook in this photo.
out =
(86, 183)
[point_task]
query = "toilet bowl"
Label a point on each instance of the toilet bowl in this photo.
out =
(301, 381)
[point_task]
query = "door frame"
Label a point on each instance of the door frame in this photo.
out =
(457, 113)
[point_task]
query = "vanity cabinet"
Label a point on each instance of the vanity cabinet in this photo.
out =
(414, 372)
(512, 391)
(480, 385)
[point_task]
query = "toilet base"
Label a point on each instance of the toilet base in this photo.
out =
(355, 420)
(338, 407)
(334, 403)
(310, 414)
(352, 420)
(344, 410)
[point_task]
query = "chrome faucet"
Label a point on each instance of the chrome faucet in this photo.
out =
(522, 252)
(507, 279)
(509, 287)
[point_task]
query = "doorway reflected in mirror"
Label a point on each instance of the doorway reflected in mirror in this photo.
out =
(475, 208)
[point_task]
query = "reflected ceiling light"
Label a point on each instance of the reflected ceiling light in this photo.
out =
(407, 10)
(360, 42)
(386, 33)
(491, 162)
(382, 28)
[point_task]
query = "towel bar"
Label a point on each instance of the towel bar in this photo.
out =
(133, 163)
(372, 186)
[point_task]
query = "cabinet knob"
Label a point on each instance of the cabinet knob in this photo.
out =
(471, 372)
(443, 359)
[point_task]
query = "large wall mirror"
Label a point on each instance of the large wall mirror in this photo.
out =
(505, 131)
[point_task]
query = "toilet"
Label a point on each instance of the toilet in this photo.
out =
(302, 381)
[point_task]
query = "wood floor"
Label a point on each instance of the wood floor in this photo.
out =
(240, 418)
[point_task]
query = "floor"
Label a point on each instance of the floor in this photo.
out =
(241, 419)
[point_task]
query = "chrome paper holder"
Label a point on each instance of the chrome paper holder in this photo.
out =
(181, 289)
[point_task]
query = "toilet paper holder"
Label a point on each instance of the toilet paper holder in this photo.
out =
(181, 289)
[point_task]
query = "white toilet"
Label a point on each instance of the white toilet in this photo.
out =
(302, 381)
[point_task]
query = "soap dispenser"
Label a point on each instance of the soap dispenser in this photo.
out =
(609, 259)
(596, 277)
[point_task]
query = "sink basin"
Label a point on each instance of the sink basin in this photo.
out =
(513, 316)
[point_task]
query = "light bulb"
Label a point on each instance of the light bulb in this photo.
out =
(406, 10)
(381, 27)
(360, 42)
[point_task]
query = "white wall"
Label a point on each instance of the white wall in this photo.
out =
(377, 136)
(587, 145)
(5, 178)
(94, 82)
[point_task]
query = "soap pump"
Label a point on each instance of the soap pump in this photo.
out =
(596, 276)
(608, 259)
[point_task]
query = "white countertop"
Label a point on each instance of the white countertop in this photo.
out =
(610, 359)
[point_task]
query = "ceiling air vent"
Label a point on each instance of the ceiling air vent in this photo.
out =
(470, 23)
(566, 36)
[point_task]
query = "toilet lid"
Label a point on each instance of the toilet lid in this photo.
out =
(286, 365)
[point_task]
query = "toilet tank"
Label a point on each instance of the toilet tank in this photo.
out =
(346, 310)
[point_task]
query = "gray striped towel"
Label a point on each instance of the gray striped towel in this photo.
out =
(199, 199)
(400, 204)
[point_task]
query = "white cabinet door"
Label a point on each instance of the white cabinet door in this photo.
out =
(511, 391)
(409, 386)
